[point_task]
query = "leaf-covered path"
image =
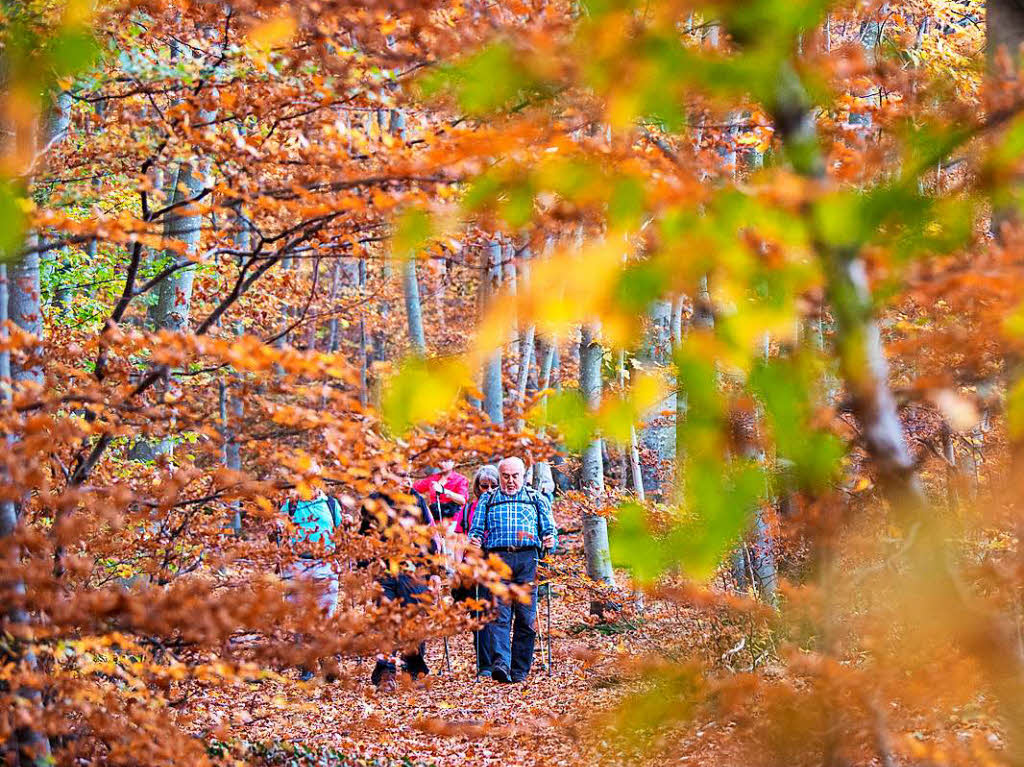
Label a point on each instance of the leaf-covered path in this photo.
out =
(448, 718)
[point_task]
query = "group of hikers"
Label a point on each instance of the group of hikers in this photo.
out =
(497, 513)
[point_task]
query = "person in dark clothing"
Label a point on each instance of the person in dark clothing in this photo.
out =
(404, 587)
(485, 480)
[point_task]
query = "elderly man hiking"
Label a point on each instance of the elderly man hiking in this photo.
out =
(515, 522)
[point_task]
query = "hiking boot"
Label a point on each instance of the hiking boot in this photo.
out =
(387, 681)
(500, 673)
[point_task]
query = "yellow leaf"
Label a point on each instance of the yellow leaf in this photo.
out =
(273, 32)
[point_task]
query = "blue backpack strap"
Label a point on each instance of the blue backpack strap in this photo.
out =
(532, 498)
(532, 495)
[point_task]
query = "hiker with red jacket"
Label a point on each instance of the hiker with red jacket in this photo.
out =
(446, 491)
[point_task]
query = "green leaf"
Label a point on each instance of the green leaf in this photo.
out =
(639, 284)
(421, 392)
(1015, 410)
(487, 81)
(634, 547)
(73, 50)
(567, 412)
(785, 385)
(517, 205)
(412, 230)
(723, 498)
(838, 219)
(626, 205)
(482, 193)
(12, 221)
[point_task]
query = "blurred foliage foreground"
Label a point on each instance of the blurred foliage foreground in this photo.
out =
(784, 233)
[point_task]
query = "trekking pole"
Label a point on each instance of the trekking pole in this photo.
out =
(476, 635)
(443, 553)
(549, 626)
(548, 618)
(538, 584)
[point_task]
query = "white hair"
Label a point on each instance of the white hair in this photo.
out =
(512, 459)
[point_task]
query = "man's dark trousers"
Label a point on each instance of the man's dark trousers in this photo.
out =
(406, 590)
(514, 630)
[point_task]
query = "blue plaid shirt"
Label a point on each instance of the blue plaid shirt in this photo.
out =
(513, 521)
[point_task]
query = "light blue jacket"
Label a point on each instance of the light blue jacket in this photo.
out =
(315, 521)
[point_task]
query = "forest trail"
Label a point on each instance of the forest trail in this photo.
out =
(449, 718)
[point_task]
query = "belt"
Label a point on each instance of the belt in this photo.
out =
(512, 548)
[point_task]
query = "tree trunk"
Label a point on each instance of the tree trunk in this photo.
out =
(413, 307)
(24, 291)
(26, 745)
(543, 478)
(489, 285)
(171, 311)
(703, 320)
(595, 527)
(1004, 29)
(333, 334)
(232, 408)
(25, 310)
(21, 303)
(656, 433)
(631, 454)
(526, 342)
(174, 298)
(510, 284)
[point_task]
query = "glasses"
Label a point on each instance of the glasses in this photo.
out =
(488, 485)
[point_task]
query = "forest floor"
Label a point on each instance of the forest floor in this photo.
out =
(567, 717)
(452, 717)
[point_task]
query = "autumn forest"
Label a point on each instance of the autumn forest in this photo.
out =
(535, 382)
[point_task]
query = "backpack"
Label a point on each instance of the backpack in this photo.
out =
(531, 494)
(315, 521)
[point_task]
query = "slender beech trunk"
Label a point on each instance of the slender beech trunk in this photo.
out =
(413, 307)
(759, 547)
(1004, 32)
(174, 302)
(656, 433)
(595, 527)
(510, 285)
(527, 342)
(24, 291)
(174, 293)
(21, 303)
(542, 477)
(232, 407)
(490, 284)
(632, 452)
(333, 334)
(704, 321)
(25, 746)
